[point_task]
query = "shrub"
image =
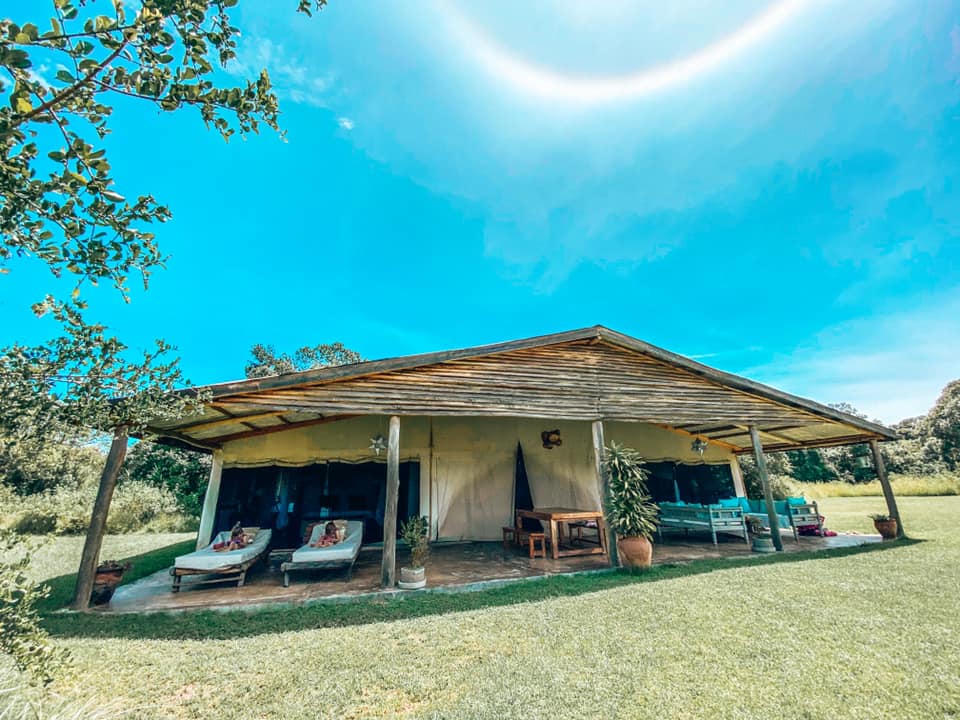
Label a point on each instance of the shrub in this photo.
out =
(33, 466)
(136, 507)
(182, 472)
(415, 532)
(22, 637)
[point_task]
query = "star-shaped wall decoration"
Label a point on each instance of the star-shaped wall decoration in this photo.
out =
(378, 443)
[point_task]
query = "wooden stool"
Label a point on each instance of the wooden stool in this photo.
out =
(538, 537)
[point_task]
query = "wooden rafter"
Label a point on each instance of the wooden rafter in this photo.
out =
(710, 440)
(231, 420)
(770, 433)
(804, 444)
(741, 431)
(277, 428)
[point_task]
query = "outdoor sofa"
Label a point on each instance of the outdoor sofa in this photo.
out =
(793, 513)
(343, 554)
(222, 566)
(722, 517)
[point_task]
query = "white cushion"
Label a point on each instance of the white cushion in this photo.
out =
(210, 559)
(345, 550)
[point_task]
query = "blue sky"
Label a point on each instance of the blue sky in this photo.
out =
(768, 186)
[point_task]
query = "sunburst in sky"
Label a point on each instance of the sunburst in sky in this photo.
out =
(529, 77)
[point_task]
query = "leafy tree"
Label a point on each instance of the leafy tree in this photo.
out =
(943, 424)
(267, 362)
(32, 466)
(183, 472)
(59, 203)
(810, 466)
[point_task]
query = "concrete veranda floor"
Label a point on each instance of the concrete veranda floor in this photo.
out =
(451, 565)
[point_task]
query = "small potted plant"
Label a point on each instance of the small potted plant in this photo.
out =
(761, 540)
(415, 533)
(886, 525)
(108, 576)
(632, 514)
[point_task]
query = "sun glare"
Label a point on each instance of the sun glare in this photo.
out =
(536, 80)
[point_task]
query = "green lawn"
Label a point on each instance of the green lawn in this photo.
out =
(855, 635)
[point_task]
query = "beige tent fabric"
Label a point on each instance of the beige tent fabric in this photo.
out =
(658, 444)
(470, 467)
(473, 480)
(344, 441)
(563, 476)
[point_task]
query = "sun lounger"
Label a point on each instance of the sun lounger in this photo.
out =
(343, 554)
(224, 566)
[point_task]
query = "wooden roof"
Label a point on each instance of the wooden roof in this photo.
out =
(588, 374)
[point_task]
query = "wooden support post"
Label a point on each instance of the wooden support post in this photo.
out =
(888, 495)
(388, 564)
(98, 520)
(209, 513)
(598, 446)
(738, 485)
(767, 493)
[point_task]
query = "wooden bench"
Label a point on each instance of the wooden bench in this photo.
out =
(711, 518)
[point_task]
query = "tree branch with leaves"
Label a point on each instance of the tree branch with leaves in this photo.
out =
(61, 205)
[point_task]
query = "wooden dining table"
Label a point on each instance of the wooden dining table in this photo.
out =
(554, 516)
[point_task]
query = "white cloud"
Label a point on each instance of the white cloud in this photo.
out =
(292, 80)
(346, 123)
(889, 366)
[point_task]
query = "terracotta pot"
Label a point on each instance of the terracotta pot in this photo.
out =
(635, 552)
(412, 578)
(109, 578)
(886, 528)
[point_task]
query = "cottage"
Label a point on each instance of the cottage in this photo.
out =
(441, 434)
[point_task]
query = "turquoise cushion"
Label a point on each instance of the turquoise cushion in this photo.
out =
(729, 502)
(780, 507)
(796, 501)
(744, 503)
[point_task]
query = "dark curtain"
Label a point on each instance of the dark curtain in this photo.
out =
(522, 497)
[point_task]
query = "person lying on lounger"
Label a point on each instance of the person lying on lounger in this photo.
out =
(330, 536)
(237, 540)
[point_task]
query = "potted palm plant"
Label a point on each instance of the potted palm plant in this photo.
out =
(414, 532)
(632, 514)
(886, 525)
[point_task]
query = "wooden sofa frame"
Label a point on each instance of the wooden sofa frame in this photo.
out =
(712, 519)
(798, 515)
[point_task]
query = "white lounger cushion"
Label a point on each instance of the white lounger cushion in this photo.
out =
(345, 550)
(210, 559)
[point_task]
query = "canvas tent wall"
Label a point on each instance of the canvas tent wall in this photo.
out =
(467, 464)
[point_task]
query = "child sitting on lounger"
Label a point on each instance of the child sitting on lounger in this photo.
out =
(330, 536)
(237, 540)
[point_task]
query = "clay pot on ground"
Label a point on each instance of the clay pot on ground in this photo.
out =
(886, 528)
(635, 552)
